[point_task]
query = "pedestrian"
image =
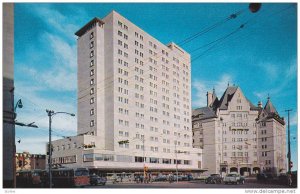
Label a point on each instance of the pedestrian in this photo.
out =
(290, 179)
(170, 177)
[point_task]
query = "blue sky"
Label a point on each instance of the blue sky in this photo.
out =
(261, 58)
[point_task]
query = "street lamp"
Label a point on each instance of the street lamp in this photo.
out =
(18, 105)
(50, 114)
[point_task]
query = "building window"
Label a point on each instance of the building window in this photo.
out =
(120, 42)
(154, 160)
(92, 44)
(92, 123)
(138, 159)
(120, 24)
(92, 35)
(92, 72)
(92, 53)
(92, 100)
(166, 161)
(92, 82)
(92, 63)
(92, 112)
(92, 91)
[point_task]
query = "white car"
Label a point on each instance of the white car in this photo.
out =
(234, 178)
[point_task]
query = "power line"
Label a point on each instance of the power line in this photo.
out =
(219, 23)
(218, 41)
(249, 21)
(232, 16)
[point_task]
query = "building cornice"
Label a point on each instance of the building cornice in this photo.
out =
(88, 26)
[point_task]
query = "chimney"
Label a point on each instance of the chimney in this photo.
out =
(209, 98)
(259, 104)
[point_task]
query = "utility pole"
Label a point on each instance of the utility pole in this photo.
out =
(143, 141)
(176, 162)
(50, 114)
(289, 142)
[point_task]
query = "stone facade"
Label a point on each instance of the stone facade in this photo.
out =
(237, 136)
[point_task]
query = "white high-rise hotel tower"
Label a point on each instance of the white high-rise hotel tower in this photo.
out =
(130, 87)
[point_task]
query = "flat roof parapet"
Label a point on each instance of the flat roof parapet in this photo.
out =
(88, 26)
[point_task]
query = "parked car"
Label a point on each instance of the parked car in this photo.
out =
(180, 178)
(261, 177)
(160, 178)
(234, 178)
(97, 180)
(213, 179)
(188, 177)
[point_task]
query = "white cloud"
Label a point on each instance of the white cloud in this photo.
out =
(222, 84)
(34, 108)
(34, 145)
(291, 72)
(287, 76)
(202, 87)
(200, 96)
(271, 70)
(294, 120)
(64, 52)
(57, 21)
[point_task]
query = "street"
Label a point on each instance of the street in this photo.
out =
(191, 184)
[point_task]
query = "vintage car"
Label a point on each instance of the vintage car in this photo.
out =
(213, 179)
(97, 180)
(234, 178)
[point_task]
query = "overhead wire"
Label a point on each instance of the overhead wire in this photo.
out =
(185, 41)
(251, 20)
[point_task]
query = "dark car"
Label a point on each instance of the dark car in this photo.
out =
(264, 177)
(97, 180)
(188, 177)
(213, 179)
(261, 177)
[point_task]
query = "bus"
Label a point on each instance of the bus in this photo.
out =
(69, 177)
(31, 178)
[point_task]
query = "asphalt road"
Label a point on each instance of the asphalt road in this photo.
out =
(187, 185)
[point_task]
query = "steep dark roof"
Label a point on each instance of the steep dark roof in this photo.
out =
(227, 96)
(272, 113)
(269, 108)
(204, 113)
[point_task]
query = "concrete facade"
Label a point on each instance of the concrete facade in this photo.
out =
(133, 88)
(9, 147)
(237, 136)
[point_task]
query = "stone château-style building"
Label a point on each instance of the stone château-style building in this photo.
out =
(236, 135)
